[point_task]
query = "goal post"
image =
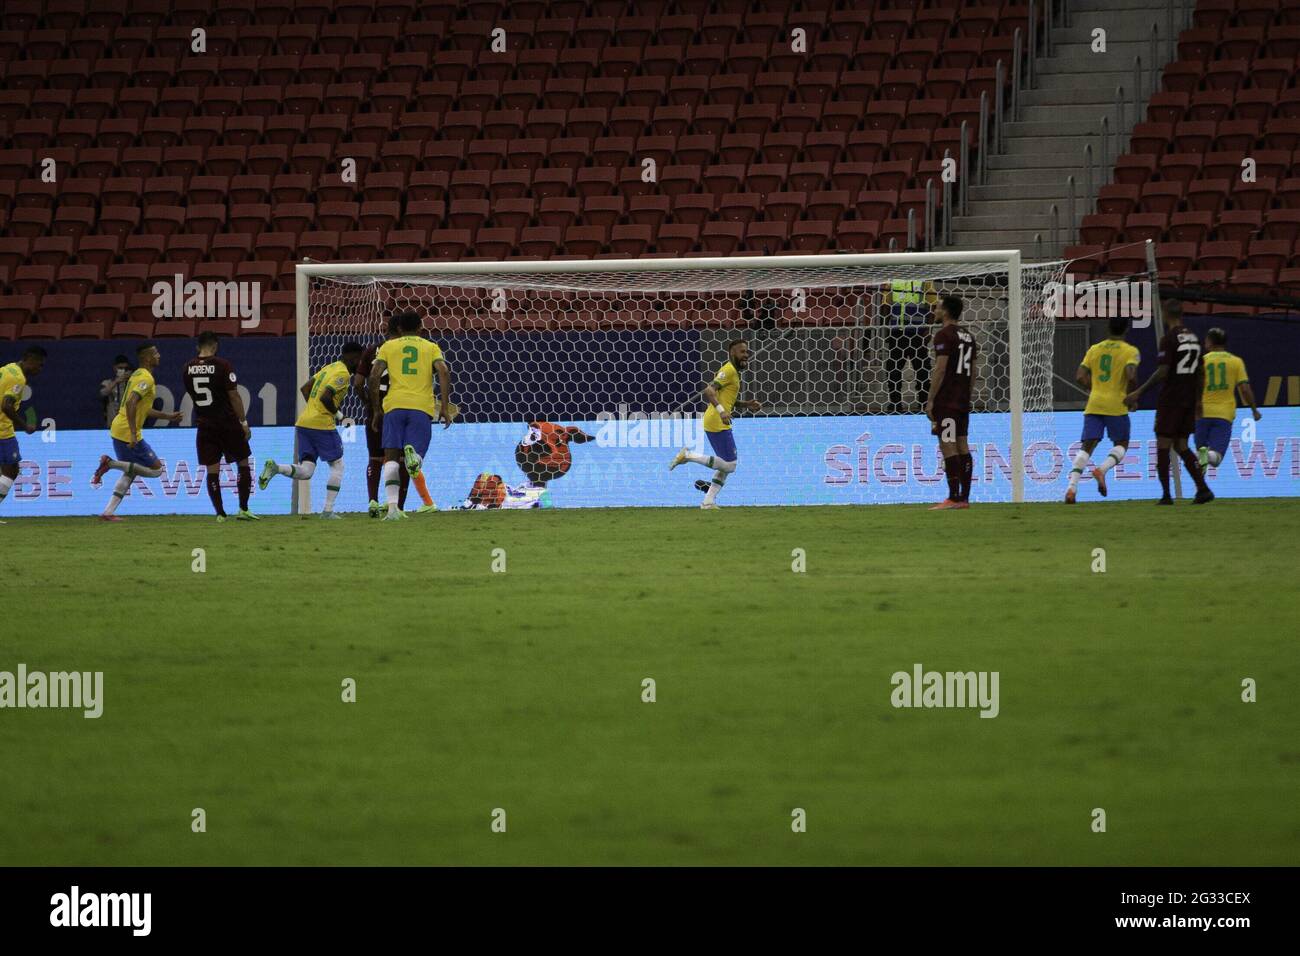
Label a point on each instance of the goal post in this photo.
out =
(621, 348)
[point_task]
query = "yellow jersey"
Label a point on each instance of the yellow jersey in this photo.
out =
(410, 362)
(1107, 361)
(727, 384)
(335, 378)
(12, 384)
(1223, 373)
(141, 385)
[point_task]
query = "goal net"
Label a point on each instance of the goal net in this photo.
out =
(621, 349)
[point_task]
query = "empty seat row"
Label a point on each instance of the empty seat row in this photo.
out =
(1197, 136)
(493, 133)
(1215, 105)
(1136, 169)
(516, 34)
(270, 99)
(1199, 194)
(1194, 226)
(1187, 76)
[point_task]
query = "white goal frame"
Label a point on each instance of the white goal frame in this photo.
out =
(304, 272)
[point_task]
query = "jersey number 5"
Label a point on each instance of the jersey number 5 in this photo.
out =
(201, 390)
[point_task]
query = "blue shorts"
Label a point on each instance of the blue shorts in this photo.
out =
(316, 443)
(1214, 433)
(1116, 426)
(723, 444)
(407, 426)
(9, 453)
(141, 454)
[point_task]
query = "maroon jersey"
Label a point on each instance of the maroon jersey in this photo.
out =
(208, 380)
(1180, 352)
(364, 368)
(959, 345)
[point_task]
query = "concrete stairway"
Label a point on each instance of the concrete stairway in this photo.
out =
(1073, 89)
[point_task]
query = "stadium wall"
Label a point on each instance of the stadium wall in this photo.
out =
(783, 461)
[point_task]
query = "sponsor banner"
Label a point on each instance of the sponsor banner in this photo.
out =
(67, 390)
(782, 461)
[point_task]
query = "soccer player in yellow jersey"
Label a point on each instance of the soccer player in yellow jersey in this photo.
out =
(1109, 372)
(134, 456)
(317, 435)
(721, 395)
(13, 382)
(409, 407)
(1225, 376)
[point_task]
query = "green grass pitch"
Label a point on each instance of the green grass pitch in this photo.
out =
(522, 690)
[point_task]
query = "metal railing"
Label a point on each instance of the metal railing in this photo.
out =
(1015, 76)
(963, 167)
(1072, 223)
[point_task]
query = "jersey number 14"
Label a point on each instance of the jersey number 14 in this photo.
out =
(964, 355)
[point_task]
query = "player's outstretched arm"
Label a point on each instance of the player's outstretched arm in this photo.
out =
(1083, 375)
(1159, 375)
(155, 413)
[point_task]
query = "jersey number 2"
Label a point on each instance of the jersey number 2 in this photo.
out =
(410, 355)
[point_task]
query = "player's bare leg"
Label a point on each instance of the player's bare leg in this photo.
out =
(1076, 471)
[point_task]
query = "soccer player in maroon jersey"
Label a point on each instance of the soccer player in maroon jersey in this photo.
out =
(948, 407)
(223, 430)
(374, 437)
(1180, 368)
